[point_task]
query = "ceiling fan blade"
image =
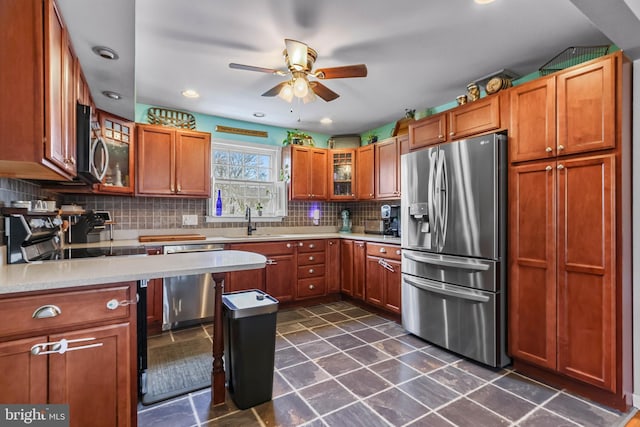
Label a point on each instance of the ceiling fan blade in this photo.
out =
(275, 90)
(259, 69)
(359, 70)
(297, 52)
(322, 91)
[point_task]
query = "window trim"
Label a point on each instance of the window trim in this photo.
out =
(272, 150)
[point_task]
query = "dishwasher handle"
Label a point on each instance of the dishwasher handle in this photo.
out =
(186, 251)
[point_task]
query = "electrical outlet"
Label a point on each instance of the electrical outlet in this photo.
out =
(189, 219)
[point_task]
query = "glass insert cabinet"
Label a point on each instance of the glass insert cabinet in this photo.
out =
(342, 174)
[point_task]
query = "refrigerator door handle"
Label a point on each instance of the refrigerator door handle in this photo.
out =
(429, 286)
(442, 206)
(447, 263)
(431, 196)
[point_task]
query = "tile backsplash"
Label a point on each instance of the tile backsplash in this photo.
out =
(149, 213)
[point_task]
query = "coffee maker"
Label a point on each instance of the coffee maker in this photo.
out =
(390, 215)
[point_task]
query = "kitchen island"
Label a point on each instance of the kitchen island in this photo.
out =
(65, 293)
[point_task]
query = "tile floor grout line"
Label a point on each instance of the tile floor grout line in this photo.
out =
(542, 405)
(193, 409)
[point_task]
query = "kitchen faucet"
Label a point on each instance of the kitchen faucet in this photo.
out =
(247, 216)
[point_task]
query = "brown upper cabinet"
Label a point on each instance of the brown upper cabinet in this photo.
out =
(173, 162)
(428, 131)
(387, 169)
(308, 168)
(118, 135)
(570, 112)
(38, 130)
(342, 174)
(365, 176)
(473, 118)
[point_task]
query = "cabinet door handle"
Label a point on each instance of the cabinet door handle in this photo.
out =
(398, 252)
(330, 242)
(46, 311)
(440, 136)
(560, 167)
(271, 262)
(311, 258)
(173, 189)
(548, 167)
(289, 245)
(560, 147)
(179, 188)
(112, 304)
(452, 133)
(548, 149)
(383, 251)
(300, 244)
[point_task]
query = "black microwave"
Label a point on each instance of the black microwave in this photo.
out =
(91, 152)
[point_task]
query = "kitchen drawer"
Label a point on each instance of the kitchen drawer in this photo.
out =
(76, 308)
(310, 271)
(308, 288)
(311, 245)
(311, 258)
(384, 251)
(266, 248)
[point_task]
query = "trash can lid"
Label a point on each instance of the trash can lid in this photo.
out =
(249, 303)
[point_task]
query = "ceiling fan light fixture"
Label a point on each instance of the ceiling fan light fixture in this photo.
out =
(300, 87)
(309, 97)
(286, 92)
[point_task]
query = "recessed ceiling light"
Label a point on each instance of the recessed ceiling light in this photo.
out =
(105, 52)
(258, 114)
(484, 1)
(190, 93)
(111, 94)
(326, 121)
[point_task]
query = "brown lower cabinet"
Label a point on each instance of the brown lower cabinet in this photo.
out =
(277, 278)
(98, 378)
(565, 299)
(333, 266)
(383, 276)
(353, 268)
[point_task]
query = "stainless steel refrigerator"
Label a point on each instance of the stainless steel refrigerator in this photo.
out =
(454, 246)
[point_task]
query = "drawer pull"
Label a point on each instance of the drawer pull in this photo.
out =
(330, 242)
(383, 251)
(46, 311)
(548, 149)
(112, 304)
(300, 244)
(311, 258)
(62, 346)
(398, 252)
(312, 245)
(312, 287)
(288, 245)
(311, 271)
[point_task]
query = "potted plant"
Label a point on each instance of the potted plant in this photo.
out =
(372, 137)
(297, 137)
(259, 208)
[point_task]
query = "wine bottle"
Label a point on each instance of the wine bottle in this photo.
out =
(219, 205)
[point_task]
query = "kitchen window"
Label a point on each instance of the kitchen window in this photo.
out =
(247, 175)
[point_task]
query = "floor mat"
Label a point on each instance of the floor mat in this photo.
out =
(178, 368)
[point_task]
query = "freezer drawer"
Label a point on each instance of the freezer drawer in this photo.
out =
(474, 273)
(463, 320)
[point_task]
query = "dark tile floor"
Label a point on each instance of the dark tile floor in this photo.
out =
(339, 365)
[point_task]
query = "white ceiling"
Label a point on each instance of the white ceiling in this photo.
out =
(419, 53)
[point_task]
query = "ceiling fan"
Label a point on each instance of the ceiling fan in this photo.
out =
(299, 59)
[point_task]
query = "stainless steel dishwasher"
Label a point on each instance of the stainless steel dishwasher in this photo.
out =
(187, 300)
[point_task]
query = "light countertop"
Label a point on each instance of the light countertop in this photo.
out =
(47, 275)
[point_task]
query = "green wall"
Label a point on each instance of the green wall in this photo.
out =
(207, 123)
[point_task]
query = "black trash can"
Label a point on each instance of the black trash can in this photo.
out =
(249, 345)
